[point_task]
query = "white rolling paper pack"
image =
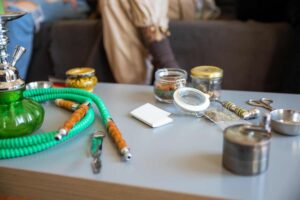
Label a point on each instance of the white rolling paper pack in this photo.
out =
(151, 115)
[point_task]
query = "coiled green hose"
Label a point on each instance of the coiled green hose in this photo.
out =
(27, 145)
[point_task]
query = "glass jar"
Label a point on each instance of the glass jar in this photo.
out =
(167, 80)
(83, 78)
(207, 79)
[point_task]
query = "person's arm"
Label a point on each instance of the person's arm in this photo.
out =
(151, 17)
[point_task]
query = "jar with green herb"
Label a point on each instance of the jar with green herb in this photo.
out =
(167, 80)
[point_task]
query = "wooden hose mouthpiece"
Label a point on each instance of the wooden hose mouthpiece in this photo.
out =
(70, 123)
(67, 104)
(118, 139)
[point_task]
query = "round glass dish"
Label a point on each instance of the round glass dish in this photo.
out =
(168, 80)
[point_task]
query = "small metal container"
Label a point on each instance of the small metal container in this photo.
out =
(207, 79)
(246, 149)
(286, 121)
(38, 84)
(168, 80)
(83, 78)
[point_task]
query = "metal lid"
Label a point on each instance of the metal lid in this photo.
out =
(207, 72)
(244, 134)
(9, 78)
(80, 72)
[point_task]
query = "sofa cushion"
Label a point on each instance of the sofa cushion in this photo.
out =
(79, 43)
(252, 54)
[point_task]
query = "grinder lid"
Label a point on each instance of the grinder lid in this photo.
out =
(244, 134)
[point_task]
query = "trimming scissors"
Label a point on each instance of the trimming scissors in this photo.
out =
(263, 102)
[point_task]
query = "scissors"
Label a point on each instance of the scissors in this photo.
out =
(263, 102)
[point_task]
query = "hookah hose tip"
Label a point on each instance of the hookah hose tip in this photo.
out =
(70, 123)
(118, 139)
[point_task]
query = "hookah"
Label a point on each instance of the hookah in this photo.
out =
(21, 113)
(18, 116)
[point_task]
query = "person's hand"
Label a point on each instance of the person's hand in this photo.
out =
(72, 2)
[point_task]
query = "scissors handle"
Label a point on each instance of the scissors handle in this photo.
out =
(263, 102)
(267, 101)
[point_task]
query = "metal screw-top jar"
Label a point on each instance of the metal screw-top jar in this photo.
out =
(246, 149)
(83, 78)
(167, 80)
(207, 79)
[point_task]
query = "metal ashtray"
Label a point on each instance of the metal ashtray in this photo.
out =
(286, 121)
(38, 84)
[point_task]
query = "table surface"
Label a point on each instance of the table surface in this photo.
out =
(184, 156)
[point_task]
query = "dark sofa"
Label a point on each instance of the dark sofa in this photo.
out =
(254, 55)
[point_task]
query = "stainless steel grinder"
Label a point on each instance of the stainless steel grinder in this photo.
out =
(246, 148)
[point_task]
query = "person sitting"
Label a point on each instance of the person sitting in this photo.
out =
(136, 38)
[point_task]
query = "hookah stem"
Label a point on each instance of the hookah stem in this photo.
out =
(67, 104)
(118, 139)
(75, 117)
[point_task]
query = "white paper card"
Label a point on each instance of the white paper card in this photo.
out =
(151, 115)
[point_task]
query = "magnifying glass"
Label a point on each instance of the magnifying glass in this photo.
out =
(191, 100)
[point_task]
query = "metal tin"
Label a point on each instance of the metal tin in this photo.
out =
(208, 79)
(246, 149)
(83, 78)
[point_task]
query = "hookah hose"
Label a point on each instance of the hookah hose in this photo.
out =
(27, 145)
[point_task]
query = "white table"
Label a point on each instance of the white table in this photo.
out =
(181, 160)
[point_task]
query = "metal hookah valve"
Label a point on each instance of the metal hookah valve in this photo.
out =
(19, 51)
